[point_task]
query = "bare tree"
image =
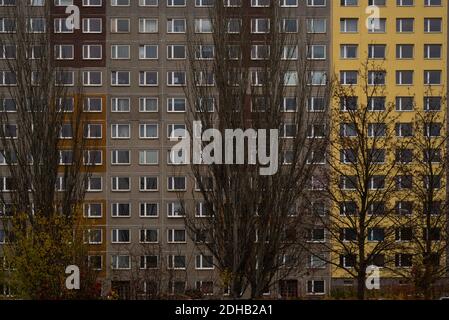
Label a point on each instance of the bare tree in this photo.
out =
(43, 197)
(362, 178)
(424, 226)
(247, 83)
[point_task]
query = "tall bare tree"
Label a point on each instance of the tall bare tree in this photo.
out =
(362, 178)
(240, 81)
(43, 197)
(424, 226)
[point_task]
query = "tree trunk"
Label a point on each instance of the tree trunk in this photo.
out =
(361, 285)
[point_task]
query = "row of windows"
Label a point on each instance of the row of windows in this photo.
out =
(175, 209)
(402, 129)
(403, 25)
(173, 25)
(399, 3)
(403, 77)
(151, 78)
(404, 156)
(174, 52)
(169, 3)
(403, 51)
(151, 104)
(378, 182)
(402, 103)
(379, 208)
(401, 260)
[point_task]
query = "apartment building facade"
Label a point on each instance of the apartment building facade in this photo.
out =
(131, 56)
(401, 47)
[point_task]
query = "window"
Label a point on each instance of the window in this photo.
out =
(316, 25)
(348, 51)
(432, 51)
(148, 78)
(121, 236)
(148, 184)
(314, 52)
(121, 210)
(405, 24)
(205, 52)
(176, 78)
(95, 262)
(120, 104)
(432, 103)
(94, 184)
(404, 77)
(404, 155)
(120, 131)
(93, 210)
(148, 51)
(62, 52)
(317, 78)
(121, 184)
(92, 25)
(203, 26)
(376, 234)
(315, 287)
(403, 234)
(432, 77)
(120, 78)
(120, 25)
(149, 262)
(175, 209)
(120, 157)
(348, 261)
(93, 104)
(404, 103)
(177, 262)
(176, 183)
(376, 51)
(316, 235)
(176, 25)
(349, 25)
(204, 262)
(432, 25)
(149, 236)
(377, 182)
(92, 78)
(289, 25)
(175, 130)
(404, 129)
(93, 236)
(176, 105)
(377, 103)
(92, 52)
(348, 130)
(148, 104)
(120, 51)
(404, 51)
(260, 25)
(376, 77)
(403, 260)
(348, 77)
(148, 157)
(8, 78)
(147, 25)
(176, 236)
(93, 157)
(148, 131)
(148, 210)
(121, 262)
(317, 261)
(93, 130)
